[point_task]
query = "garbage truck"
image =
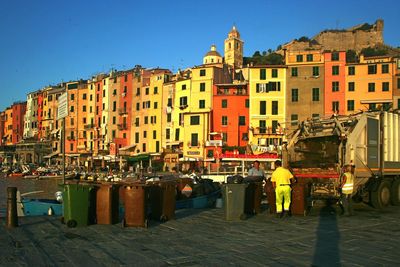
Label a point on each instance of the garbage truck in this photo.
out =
(370, 141)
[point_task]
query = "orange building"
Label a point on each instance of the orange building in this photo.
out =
(335, 87)
(231, 113)
(18, 114)
(369, 84)
(7, 129)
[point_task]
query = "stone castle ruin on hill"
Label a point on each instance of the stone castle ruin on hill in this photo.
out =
(355, 38)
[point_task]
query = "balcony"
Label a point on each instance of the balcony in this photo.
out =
(122, 111)
(122, 126)
(88, 126)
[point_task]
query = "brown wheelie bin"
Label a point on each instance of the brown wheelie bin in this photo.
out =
(298, 204)
(163, 200)
(270, 192)
(107, 203)
(135, 202)
(253, 195)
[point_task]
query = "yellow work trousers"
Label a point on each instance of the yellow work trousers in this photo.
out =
(282, 193)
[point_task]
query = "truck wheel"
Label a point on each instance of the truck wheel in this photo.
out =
(381, 197)
(395, 193)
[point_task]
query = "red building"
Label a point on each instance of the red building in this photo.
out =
(231, 113)
(335, 82)
(18, 114)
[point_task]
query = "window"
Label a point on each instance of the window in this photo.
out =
(352, 86)
(72, 123)
(183, 86)
(144, 134)
(398, 82)
(176, 134)
(194, 120)
(202, 87)
(183, 101)
(274, 110)
(146, 120)
(242, 120)
(386, 106)
(372, 69)
(398, 103)
(224, 120)
(294, 119)
(224, 103)
(168, 134)
(315, 71)
(203, 72)
(83, 108)
(169, 117)
(263, 107)
(169, 104)
(335, 86)
(372, 106)
(247, 101)
(263, 74)
(295, 72)
(147, 90)
(295, 95)
(335, 70)
(299, 58)
(155, 105)
(136, 138)
(72, 108)
(137, 122)
(84, 96)
(155, 90)
(144, 147)
(125, 89)
(137, 91)
(138, 106)
(274, 73)
(274, 126)
(310, 57)
(114, 106)
(371, 87)
(154, 134)
(202, 103)
(262, 126)
(104, 93)
(335, 56)
(125, 78)
(274, 86)
(385, 86)
(114, 120)
(350, 105)
(335, 106)
(352, 70)
(385, 68)
(194, 139)
(315, 94)
(73, 95)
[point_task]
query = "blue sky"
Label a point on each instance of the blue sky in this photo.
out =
(46, 42)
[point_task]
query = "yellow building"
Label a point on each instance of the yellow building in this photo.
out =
(7, 137)
(267, 105)
(369, 83)
(82, 120)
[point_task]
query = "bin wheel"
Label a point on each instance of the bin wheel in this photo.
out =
(72, 223)
(146, 223)
(243, 216)
(123, 223)
(62, 220)
(163, 218)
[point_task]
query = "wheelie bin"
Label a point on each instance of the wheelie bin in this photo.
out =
(271, 197)
(136, 197)
(234, 201)
(253, 197)
(298, 204)
(107, 203)
(79, 204)
(163, 200)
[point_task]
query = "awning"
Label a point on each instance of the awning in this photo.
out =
(183, 159)
(51, 155)
(376, 101)
(72, 155)
(140, 157)
(127, 148)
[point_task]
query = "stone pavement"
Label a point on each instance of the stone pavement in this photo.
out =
(204, 238)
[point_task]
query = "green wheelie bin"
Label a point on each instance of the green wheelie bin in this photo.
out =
(79, 204)
(234, 201)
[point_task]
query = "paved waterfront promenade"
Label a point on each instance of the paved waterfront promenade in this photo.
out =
(204, 238)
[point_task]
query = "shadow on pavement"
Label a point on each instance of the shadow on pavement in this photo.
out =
(327, 245)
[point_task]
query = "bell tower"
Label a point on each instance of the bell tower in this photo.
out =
(234, 49)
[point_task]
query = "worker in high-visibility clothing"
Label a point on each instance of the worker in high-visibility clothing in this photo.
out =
(281, 181)
(347, 185)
